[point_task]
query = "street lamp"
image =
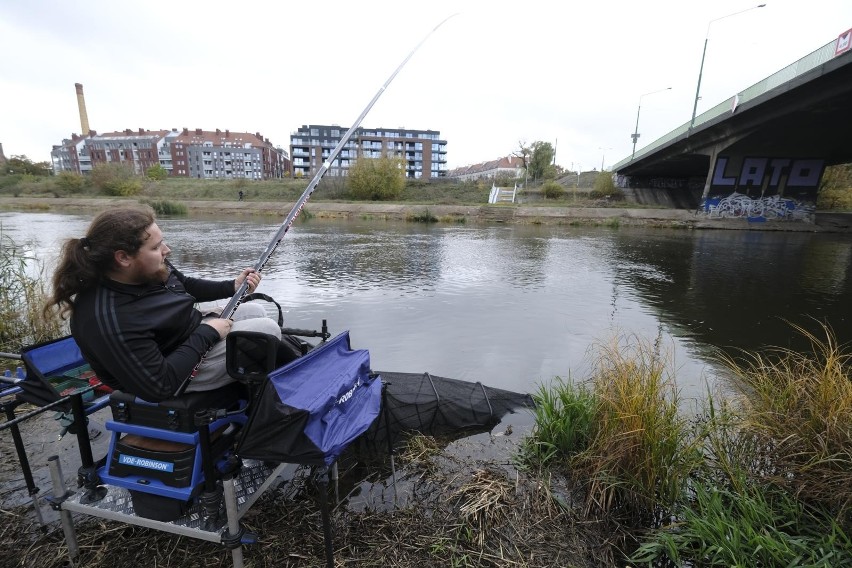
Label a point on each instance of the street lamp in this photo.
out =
(603, 155)
(635, 134)
(701, 69)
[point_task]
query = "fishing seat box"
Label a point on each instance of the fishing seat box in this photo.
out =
(139, 457)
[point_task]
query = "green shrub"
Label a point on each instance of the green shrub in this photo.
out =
(116, 179)
(157, 172)
(70, 182)
(552, 190)
(167, 207)
(604, 187)
(376, 179)
(424, 216)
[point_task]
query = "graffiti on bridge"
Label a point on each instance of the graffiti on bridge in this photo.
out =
(775, 207)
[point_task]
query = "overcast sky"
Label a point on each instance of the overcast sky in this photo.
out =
(497, 73)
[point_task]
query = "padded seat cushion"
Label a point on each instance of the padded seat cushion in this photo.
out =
(223, 397)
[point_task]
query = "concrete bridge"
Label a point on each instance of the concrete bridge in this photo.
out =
(760, 154)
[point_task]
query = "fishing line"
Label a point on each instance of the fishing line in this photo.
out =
(242, 291)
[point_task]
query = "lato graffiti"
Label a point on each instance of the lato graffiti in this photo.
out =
(774, 207)
(755, 171)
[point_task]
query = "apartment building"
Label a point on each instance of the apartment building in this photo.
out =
(72, 155)
(138, 149)
(199, 154)
(423, 151)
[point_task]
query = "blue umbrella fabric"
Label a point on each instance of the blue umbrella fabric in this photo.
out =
(312, 408)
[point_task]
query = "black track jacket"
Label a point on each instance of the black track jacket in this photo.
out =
(146, 339)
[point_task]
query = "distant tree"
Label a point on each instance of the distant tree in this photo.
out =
(541, 163)
(70, 182)
(115, 178)
(376, 179)
(23, 165)
(524, 152)
(157, 172)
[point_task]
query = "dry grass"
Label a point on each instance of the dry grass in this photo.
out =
(641, 451)
(22, 299)
(799, 408)
(459, 514)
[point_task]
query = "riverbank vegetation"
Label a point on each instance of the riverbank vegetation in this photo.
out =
(22, 299)
(544, 184)
(374, 180)
(616, 472)
(761, 477)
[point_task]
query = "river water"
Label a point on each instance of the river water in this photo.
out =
(514, 306)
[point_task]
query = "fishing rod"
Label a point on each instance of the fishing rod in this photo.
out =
(238, 296)
(242, 291)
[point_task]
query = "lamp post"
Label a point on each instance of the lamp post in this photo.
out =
(578, 182)
(603, 155)
(635, 134)
(704, 53)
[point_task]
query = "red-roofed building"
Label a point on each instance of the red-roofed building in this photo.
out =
(199, 154)
(510, 167)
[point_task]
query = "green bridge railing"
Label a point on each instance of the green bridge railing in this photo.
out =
(800, 67)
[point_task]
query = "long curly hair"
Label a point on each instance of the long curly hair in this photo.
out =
(85, 261)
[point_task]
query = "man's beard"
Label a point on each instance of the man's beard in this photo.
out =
(161, 275)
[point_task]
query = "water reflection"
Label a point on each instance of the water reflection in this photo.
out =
(741, 289)
(514, 306)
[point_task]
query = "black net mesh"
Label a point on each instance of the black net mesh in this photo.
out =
(415, 403)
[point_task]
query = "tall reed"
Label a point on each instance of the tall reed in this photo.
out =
(643, 450)
(619, 434)
(775, 482)
(22, 299)
(799, 407)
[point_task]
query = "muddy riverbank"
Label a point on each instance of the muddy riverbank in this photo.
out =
(543, 215)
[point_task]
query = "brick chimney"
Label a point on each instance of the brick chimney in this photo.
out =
(227, 133)
(81, 107)
(198, 131)
(141, 131)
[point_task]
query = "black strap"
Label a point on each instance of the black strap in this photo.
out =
(262, 296)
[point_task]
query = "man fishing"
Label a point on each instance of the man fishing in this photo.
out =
(133, 314)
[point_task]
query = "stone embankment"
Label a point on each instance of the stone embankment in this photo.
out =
(541, 215)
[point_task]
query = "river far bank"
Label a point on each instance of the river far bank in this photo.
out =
(502, 213)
